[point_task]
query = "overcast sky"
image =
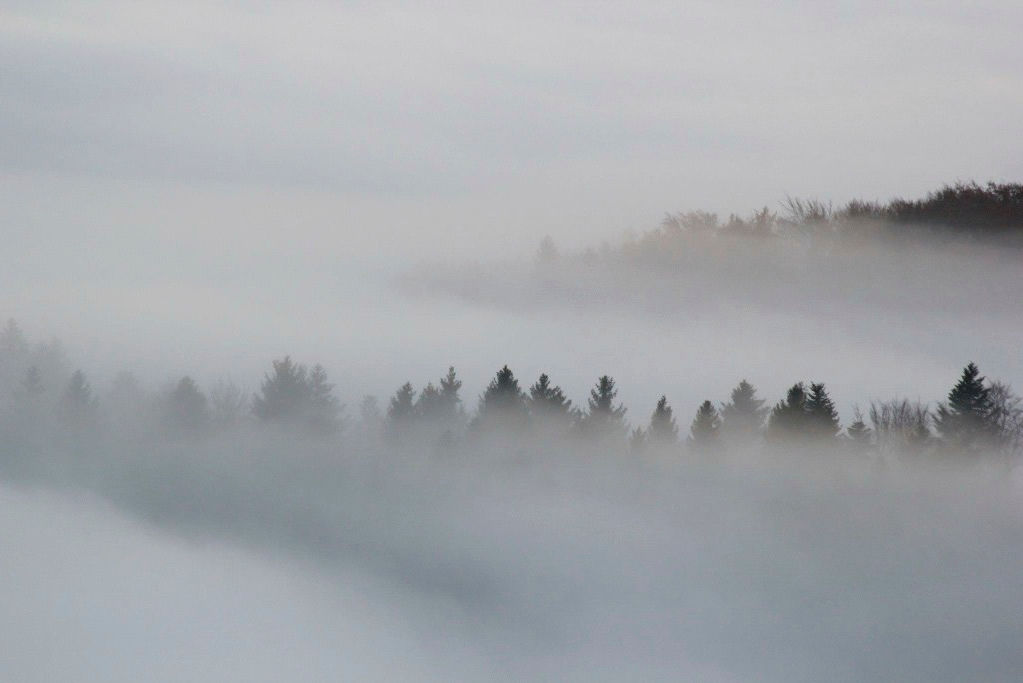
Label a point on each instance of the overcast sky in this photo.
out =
(191, 172)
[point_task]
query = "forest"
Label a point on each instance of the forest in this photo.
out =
(46, 403)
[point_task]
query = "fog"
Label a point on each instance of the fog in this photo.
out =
(233, 231)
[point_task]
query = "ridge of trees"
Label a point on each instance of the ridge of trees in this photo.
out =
(977, 416)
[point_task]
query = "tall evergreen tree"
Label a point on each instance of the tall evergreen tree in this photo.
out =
(742, 418)
(323, 414)
(788, 418)
(663, 431)
(502, 403)
(965, 422)
(284, 395)
(450, 401)
(822, 417)
(402, 407)
(604, 419)
(704, 431)
(858, 433)
(547, 400)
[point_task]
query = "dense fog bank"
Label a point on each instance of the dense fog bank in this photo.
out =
(523, 537)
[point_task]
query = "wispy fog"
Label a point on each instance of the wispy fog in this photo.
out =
(352, 341)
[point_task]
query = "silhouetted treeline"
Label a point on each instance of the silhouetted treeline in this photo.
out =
(45, 402)
(991, 211)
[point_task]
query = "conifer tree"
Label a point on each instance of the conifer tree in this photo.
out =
(742, 418)
(450, 401)
(788, 418)
(547, 400)
(402, 406)
(822, 417)
(502, 403)
(323, 414)
(428, 405)
(284, 394)
(704, 431)
(604, 419)
(965, 422)
(858, 432)
(663, 431)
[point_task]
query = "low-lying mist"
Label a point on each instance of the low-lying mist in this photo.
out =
(854, 516)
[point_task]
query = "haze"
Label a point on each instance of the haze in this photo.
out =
(197, 190)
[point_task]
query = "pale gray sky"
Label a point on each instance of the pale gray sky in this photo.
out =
(188, 185)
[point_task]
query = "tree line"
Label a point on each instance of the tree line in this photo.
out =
(977, 416)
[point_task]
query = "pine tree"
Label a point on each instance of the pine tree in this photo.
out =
(450, 401)
(604, 419)
(402, 406)
(788, 418)
(284, 394)
(502, 403)
(704, 431)
(742, 418)
(663, 431)
(323, 413)
(428, 406)
(822, 417)
(547, 400)
(858, 433)
(965, 422)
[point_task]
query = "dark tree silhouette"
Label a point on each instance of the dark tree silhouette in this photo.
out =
(502, 403)
(965, 421)
(822, 417)
(663, 431)
(788, 418)
(402, 408)
(284, 394)
(704, 431)
(547, 400)
(742, 418)
(450, 401)
(604, 419)
(858, 433)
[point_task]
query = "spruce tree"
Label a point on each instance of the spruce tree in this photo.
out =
(450, 401)
(323, 413)
(704, 431)
(663, 430)
(502, 403)
(965, 422)
(822, 417)
(788, 418)
(604, 419)
(858, 433)
(547, 400)
(284, 394)
(402, 406)
(742, 418)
